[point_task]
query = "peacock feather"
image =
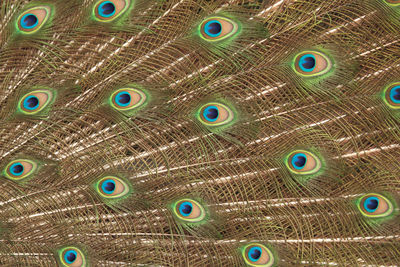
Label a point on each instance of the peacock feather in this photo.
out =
(199, 133)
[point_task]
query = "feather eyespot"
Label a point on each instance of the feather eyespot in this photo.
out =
(20, 169)
(393, 2)
(128, 99)
(215, 114)
(392, 96)
(218, 28)
(375, 206)
(311, 63)
(189, 210)
(33, 19)
(303, 162)
(72, 257)
(110, 10)
(258, 255)
(35, 101)
(112, 187)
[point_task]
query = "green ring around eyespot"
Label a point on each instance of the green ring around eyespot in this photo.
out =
(271, 256)
(48, 10)
(60, 252)
(49, 99)
(138, 104)
(127, 4)
(327, 69)
(202, 210)
(34, 167)
(122, 194)
(384, 95)
(230, 118)
(233, 32)
(387, 213)
(390, 4)
(317, 161)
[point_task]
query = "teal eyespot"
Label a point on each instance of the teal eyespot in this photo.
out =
(311, 63)
(19, 169)
(128, 99)
(258, 255)
(213, 28)
(307, 63)
(33, 19)
(29, 21)
(34, 102)
(112, 187)
(391, 95)
(72, 257)
(303, 162)
(189, 210)
(217, 29)
(371, 204)
(215, 114)
(108, 10)
(375, 206)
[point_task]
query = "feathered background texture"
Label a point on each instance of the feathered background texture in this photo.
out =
(199, 133)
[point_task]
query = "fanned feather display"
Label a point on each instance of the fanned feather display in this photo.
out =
(199, 133)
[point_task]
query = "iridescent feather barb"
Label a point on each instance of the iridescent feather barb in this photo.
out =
(199, 133)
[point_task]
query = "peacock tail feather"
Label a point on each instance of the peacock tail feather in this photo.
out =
(199, 133)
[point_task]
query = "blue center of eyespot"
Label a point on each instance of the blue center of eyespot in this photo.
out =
(186, 208)
(108, 186)
(213, 28)
(254, 253)
(123, 99)
(299, 161)
(70, 256)
(17, 169)
(106, 9)
(211, 113)
(395, 94)
(307, 63)
(371, 204)
(29, 21)
(31, 103)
